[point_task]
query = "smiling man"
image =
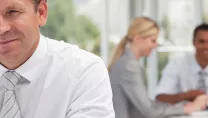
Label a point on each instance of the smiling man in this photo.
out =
(186, 78)
(44, 78)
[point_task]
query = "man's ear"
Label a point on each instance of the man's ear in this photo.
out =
(42, 12)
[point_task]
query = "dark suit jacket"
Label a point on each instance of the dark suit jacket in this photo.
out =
(129, 94)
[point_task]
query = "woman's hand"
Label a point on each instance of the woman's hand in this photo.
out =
(200, 103)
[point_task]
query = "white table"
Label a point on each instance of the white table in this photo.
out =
(184, 117)
(190, 117)
(181, 117)
(202, 114)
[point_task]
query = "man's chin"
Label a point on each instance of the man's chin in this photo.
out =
(206, 58)
(9, 55)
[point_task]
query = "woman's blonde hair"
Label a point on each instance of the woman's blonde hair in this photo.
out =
(143, 26)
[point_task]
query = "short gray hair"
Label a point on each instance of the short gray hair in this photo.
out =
(36, 3)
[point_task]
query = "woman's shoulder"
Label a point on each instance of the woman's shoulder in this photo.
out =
(127, 64)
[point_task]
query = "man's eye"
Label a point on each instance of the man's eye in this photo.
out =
(10, 12)
(201, 41)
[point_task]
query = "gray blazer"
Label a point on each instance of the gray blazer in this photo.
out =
(129, 94)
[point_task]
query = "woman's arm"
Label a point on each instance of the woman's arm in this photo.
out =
(133, 86)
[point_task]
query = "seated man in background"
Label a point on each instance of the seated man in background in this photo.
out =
(185, 78)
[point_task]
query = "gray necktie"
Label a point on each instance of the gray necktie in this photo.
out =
(10, 107)
(201, 81)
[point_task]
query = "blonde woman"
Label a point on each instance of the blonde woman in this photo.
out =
(130, 98)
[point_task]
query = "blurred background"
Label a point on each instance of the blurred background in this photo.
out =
(98, 25)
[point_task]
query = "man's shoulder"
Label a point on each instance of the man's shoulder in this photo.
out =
(70, 53)
(186, 58)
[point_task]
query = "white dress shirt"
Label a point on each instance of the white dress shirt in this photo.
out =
(180, 75)
(62, 81)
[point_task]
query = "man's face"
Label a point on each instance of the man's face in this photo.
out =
(201, 44)
(19, 28)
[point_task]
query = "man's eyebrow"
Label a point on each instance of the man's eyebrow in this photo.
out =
(201, 39)
(15, 6)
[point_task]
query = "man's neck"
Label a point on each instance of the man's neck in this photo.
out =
(202, 62)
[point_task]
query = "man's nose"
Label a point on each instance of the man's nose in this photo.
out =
(4, 25)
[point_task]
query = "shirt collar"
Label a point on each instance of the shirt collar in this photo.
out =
(28, 70)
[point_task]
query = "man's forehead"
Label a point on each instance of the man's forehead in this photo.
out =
(13, 4)
(202, 33)
(5, 4)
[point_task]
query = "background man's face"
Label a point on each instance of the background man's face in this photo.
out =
(201, 44)
(19, 28)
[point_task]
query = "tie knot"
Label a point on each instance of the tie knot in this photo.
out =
(10, 78)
